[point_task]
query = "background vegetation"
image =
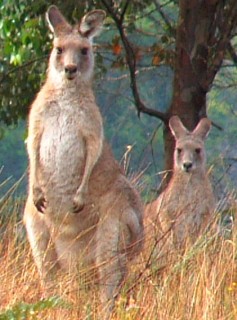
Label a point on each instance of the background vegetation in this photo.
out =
(196, 286)
(24, 48)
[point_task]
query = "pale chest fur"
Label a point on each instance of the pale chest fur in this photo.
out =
(188, 207)
(62, 147)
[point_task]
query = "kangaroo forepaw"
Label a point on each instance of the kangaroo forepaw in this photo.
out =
(39, 199)
(78, 203)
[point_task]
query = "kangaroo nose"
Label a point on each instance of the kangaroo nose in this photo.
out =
(70, 70)
(187, 166)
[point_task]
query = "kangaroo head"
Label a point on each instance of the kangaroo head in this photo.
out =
(72, 55)
(189, 154)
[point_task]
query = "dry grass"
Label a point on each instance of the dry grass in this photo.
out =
(201, 284)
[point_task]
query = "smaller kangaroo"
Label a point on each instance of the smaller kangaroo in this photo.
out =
(185, 207)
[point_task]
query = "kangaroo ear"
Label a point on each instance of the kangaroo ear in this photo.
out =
(91, 24)
(177, 128)
(56, 21)
(203, 128)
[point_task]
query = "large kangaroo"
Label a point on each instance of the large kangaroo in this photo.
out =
(186, 206)
(80, 208)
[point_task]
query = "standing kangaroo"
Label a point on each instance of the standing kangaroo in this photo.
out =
(65, 125)
(187, 204)
(80, 209)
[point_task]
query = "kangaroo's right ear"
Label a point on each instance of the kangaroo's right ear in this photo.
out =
(177, 128)
(56, 21)
(91, 24)
(203, 128)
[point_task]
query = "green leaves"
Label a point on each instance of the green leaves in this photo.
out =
(23, 39)
(24, 310)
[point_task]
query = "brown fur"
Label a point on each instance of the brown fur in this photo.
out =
(186, 206)
(101, 223)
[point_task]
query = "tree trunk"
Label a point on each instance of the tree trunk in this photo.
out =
(191, 66)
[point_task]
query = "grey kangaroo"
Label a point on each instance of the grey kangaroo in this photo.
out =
(80, 206)
(186, 206)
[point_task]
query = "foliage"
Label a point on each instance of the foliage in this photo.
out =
(25, 44)
(150, 27)
(24, 49)
(22, 56)
(221, 145)
(29, 311)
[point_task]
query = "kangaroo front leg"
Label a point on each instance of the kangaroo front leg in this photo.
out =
(33, 145)
(93, 151)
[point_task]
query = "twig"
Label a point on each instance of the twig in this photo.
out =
(131, 61)
(163, 16)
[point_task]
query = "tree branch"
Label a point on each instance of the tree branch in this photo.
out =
(131, 61)
(124, 11)
(228, 24)
(164, 17)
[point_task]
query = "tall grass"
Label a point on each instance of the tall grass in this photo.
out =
(201, 284)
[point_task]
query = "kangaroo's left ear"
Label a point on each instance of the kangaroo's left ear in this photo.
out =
(91, 24)
(56, 21)
(177, 128)
(203, 128)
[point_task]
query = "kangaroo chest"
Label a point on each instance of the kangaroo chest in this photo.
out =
(62, 147)
(193, 199)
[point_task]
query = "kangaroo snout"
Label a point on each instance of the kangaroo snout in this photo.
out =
(70, 71)
(187, 166)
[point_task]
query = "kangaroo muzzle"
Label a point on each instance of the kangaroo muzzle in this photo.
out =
(70, 71)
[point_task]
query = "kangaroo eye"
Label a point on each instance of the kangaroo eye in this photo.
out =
(84, 51)
(198, 150)
(59, 50)
(179, 150)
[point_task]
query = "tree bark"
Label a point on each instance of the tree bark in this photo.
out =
(202, 37)
(189, 97)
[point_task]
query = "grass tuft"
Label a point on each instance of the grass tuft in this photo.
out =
(199, 285)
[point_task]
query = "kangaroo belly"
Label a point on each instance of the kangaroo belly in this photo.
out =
(62, 158)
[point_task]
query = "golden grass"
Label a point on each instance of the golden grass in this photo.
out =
(200, 285)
